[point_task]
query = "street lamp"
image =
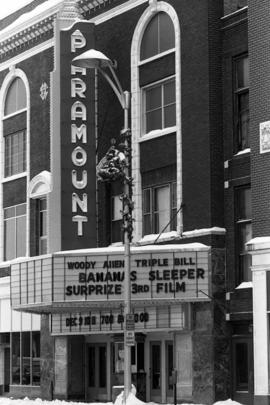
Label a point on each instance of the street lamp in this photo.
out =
(117, 165)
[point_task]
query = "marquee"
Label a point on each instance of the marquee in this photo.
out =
(95, 277)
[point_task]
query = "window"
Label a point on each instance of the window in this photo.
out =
(243, 233)
(42, 225)
(241, 101)
(155, 69)
(35, 358)
(158, 36)
(159, 102)
(117, 207)
(16, 97)
(14, 231)
(26, 370)
(158, 215)
(15, 153)
(15, 142)
(25, 358)
(119, 357)
(16, 358)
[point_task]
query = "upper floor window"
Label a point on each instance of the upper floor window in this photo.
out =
(117, 219)
(159, 105)
(159, 209)
(241, 102)
(159, 36)
(16, 97)
(42, 225)
(14, 231)
(15, 153)
(243, 233)
(15, 136)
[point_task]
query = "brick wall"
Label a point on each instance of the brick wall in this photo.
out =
(14, 192)
(215, 113)
(39, 124)
(259, 37)
(235, 43)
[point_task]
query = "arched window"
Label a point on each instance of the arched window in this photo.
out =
(15, 101)
(39, 188)
(15, 134)
(158, 93)
(16, 97)
(156, 117)
(159, 36)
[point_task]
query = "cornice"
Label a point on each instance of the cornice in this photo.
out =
(17, 36)
(24, 37)
(87, 6)
(17, 27)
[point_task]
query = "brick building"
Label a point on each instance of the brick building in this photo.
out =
(197, 76)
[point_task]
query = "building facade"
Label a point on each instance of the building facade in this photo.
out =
(196, 73)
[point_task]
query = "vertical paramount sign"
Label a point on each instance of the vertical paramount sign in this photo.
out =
(79, 137)
(78, 172)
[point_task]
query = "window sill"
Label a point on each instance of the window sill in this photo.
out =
(163, 237)
(244, 284)
(242, 152)
(157, 133)
(14, 177)
(25, 386)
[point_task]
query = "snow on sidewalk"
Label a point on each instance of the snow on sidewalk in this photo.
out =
(132, 400)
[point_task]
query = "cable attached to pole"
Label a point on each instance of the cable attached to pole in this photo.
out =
(179, 209)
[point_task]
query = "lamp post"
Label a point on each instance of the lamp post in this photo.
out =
(120, 163)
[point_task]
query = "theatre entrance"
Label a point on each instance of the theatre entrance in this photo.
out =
(96, 371)
(161, 368)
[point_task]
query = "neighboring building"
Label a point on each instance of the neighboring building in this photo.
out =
(197, 72)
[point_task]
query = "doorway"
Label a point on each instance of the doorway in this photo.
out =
(243, 376)
(161, 371)
(6, 369)
(155, 371)
(169, 371)
(96, 357)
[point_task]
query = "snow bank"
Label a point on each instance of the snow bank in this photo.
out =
(38, 401)
(227, 402)
(132, 400)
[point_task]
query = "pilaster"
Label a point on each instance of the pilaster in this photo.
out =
(259, 248)
(61, 367)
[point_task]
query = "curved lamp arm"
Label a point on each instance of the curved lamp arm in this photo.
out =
(115, 85)
(123, 96)
(93, 59)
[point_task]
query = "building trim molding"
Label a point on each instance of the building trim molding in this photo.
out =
(11, 41)
(27, 54)
(40, 185)
(22, 31)
(116, 11)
